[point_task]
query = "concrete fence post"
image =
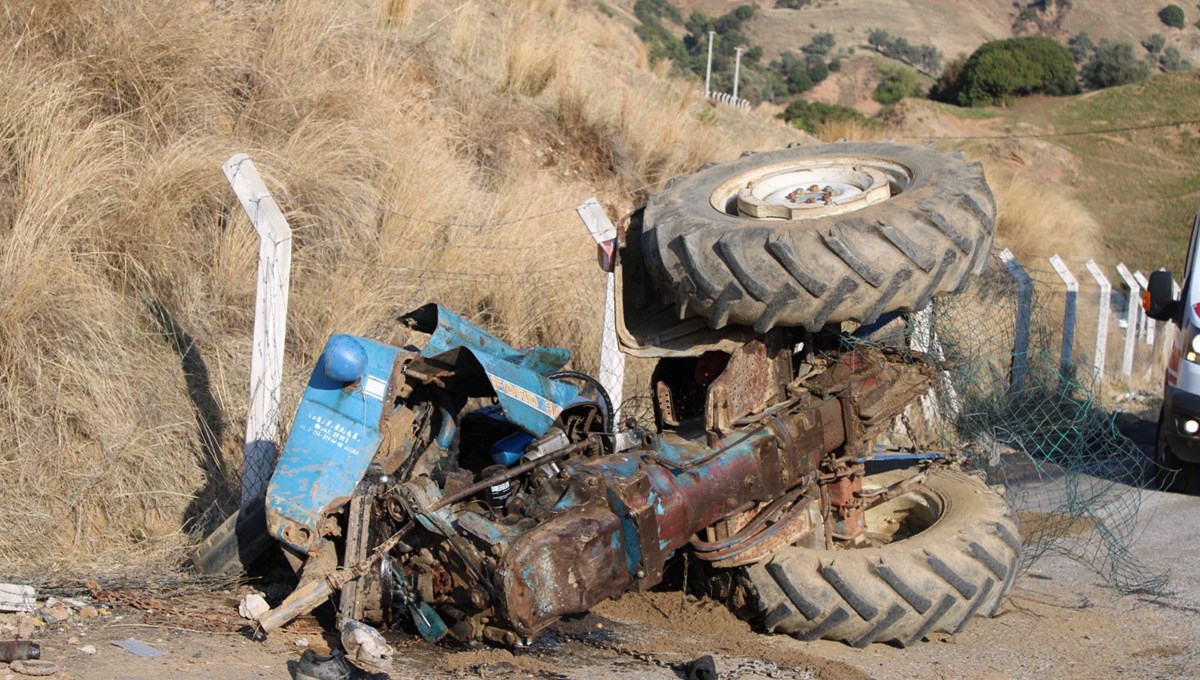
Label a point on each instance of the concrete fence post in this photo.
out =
(1131, 318)
(270, 322)
(708, 69)
(1068, 333)
(612, 361)
(1020, 358)
(1098, 355)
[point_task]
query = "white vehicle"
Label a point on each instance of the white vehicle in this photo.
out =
(1177, 448)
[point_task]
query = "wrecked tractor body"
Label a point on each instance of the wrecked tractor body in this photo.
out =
(458, 486)
(505, 497)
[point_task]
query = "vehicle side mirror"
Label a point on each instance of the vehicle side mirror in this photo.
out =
(1159, 299)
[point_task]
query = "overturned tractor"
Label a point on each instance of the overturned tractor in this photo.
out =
(461, 486)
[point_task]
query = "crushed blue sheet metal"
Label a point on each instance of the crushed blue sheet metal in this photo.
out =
(519, 377)
(333, 418)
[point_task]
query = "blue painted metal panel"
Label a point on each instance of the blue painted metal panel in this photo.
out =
(332, 441)
(454, 331)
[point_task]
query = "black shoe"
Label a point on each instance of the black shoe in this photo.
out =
(332, 667)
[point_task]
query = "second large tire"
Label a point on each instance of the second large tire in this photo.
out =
(961, 562)
(933, 232)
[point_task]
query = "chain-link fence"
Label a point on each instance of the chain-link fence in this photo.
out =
(1073, 477)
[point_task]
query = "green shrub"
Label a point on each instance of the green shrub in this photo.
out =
(808, 115)
(820, 45)
(896, 83)
(1172, 60)
(1172, 15)
(1003, 69)
(1081, 47)
(1114, 63)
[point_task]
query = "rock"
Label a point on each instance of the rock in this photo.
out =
(88, 612)
(35, 668)
(365, 646)
(88, 649)
(26, 625)
(55, 614)
(253, 606)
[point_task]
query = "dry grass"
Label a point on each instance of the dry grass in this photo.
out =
(1037, 220)
(421, 151)
(850, 131)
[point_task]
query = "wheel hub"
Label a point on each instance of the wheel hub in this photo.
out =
(810, 189)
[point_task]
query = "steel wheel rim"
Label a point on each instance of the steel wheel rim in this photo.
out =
(807, 189)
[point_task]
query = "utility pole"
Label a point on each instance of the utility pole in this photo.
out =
(737, 71)
(708, 69)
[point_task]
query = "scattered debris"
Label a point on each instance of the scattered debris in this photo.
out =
(55, 612)
(26, 625)
(34, 667)
(138, 648)
(253, 606)
(17, 598)
(19, 650)
(365, 646)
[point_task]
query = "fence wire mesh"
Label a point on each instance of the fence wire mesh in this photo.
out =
(1074, 479)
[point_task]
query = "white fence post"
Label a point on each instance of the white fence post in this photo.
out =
(1020, 360)
(270, 322)
(1131, 319)
(1068, 337)
(737, 72)
(1098, 355)
(1148, 324)
(612, 361)
(708, 69)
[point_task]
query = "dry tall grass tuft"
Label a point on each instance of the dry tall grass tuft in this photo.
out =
(421, 150)
(1037, 220)
(850, 131)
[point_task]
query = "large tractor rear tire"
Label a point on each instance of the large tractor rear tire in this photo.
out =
(819, 234)
(960, 560)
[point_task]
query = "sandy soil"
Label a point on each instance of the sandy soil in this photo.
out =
(1060, 621)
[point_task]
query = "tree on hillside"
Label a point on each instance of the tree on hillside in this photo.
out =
(1082, 47)
(1172, 15)
(1172, 60)
(1114, 63)
(1003, 69)
(1155, 43)
(820, 45)
(946, 87)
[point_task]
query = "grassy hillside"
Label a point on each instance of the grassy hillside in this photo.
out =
(421, 151)
(1139, 180)
(953, 26)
